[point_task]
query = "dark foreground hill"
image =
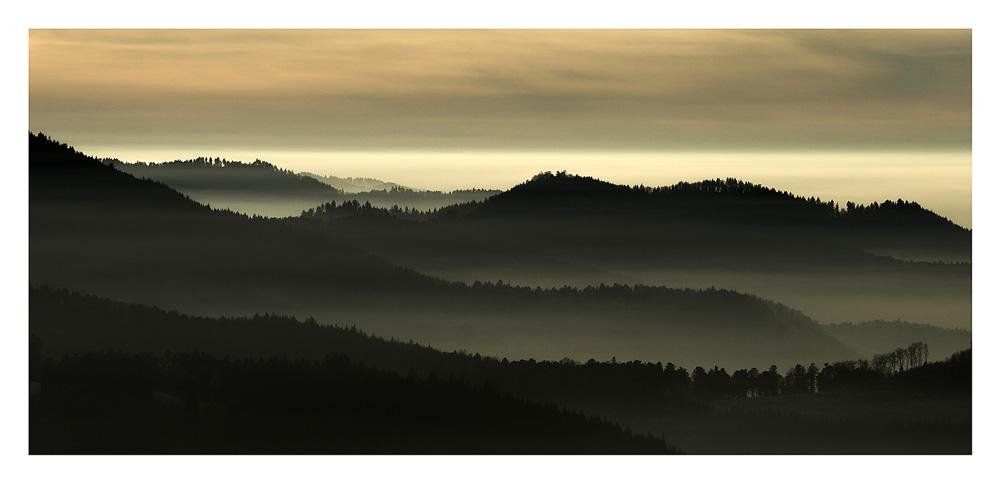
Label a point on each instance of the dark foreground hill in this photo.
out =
(109, 402)
(123, 378)
(98, 230)
(557, 229)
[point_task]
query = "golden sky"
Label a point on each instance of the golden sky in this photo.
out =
(860, 115)
(505, 89)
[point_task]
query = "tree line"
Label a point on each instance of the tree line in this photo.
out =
(348, 208)
(206, 162)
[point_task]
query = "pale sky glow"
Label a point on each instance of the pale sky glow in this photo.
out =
(940, 181)
(446, 109)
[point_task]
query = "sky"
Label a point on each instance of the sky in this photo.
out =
(861, 115)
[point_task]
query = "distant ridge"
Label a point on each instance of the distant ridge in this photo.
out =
(567, 194)
(900, 229)
(261, 188)
(354, 185)
(260, 177)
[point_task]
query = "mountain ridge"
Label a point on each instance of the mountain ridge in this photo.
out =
(585, 192)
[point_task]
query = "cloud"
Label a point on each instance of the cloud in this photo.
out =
(639, 89)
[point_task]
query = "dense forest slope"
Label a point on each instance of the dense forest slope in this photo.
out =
(98, 230)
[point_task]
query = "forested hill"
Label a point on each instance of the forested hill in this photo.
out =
(261, 188)
(737, 210)
(257, 188)
(564, 194)
(206, 174)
